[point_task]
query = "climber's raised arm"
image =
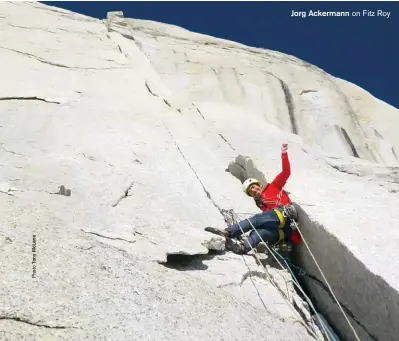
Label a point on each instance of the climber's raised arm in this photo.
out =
(282, 178)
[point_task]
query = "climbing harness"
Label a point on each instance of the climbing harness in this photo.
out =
(282, 244)
(282, 220)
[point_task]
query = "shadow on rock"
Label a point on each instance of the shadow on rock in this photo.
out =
(183, 262)
(268, 259)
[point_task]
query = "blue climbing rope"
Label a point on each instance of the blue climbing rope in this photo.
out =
(302, 272)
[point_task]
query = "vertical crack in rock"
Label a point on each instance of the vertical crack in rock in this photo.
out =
(344, 307)
(195, 173)
(124, 195)
(155, 95)
(167, 103)
(226, 141)
(394, 153)
(378, 134)
(290, 104)
(351, 269)
(242, 89)
(349, 142)
(24, 320)
(289, 101)
(351, 112)
(198, 111)
(150, 90)
(28, 98)
(218, 74)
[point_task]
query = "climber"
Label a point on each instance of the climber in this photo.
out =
(274, 225)
(271, 195)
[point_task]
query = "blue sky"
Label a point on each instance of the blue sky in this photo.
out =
(358, 49)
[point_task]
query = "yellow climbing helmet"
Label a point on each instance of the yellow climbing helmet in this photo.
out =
(248, 183)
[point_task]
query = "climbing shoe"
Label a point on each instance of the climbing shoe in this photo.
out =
(219, 232)
(290, 212)
(235, 246)
(285, 247)
(262, 248)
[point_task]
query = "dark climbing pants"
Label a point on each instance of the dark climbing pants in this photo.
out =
(265, 223)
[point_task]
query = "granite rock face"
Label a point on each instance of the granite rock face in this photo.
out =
(122, 139)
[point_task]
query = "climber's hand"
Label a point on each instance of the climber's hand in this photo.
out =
(284, 148)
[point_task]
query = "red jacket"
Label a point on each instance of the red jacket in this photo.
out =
(273, 195)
